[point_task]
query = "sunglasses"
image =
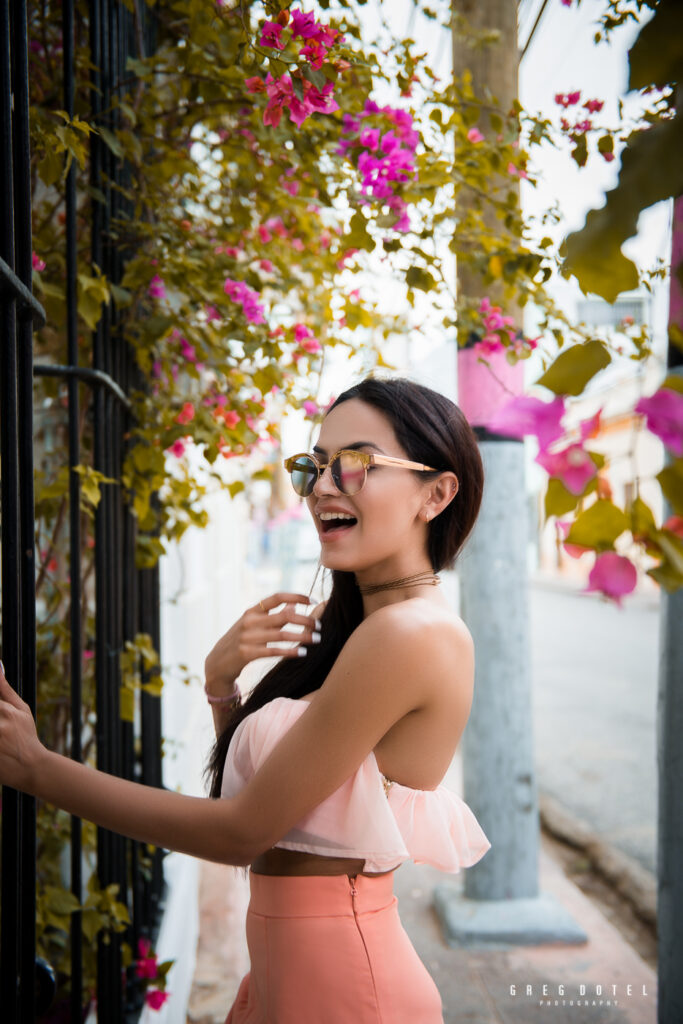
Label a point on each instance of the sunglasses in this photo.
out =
(349, 470)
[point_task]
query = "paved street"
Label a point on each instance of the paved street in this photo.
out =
(595, 702)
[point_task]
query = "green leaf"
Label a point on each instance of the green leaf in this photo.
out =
(671, 481)
(574, 367)
(598, 526)
(656, 57)
(558, 499)
(111, 141)
(651, 170)
(60, 901)
(418, 277)
(642, 519)
(126, 704)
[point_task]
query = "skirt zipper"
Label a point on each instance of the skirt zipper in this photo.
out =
(354, 894)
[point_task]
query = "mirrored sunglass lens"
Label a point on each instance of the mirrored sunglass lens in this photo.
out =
(348, 472)
(304, 476)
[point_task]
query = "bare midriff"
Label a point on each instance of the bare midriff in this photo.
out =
(293, 862)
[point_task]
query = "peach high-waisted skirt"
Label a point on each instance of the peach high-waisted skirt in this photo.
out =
(331, 950)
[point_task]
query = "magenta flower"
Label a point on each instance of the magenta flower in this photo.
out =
(146, 965)
(594, 106)
(155, 998)
(241, 293)
(177, 448)
(255, 84)
(664, 414)
(212, 314)
(311, 409)
(474, 136)
(231, 419)
(188, 351)
(271, 35)
(573, 465)
(303, 24)
(526, 415)
(156, 289)
(612, 575)
(186, 413)
(37, 263)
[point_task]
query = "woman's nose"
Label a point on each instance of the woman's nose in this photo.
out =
(325, 483)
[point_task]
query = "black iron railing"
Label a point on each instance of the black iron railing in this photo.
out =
(126, 598)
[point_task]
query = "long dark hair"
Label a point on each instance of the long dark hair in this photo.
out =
(433, 430)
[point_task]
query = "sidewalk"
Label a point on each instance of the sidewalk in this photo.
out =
(477, 987)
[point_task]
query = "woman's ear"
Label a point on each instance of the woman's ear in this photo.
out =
(442, 491)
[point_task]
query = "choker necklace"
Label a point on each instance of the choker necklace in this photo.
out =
(418, 578)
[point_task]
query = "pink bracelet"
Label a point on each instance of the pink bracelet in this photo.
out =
(231, 701)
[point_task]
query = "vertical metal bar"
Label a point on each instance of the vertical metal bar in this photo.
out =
(76, 936)
(11, 534)
(27, 677)
(107, 968)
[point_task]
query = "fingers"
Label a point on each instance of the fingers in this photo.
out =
(273, 600)
(7, 693)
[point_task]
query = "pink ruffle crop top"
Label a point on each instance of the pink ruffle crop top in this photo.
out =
(368, 816)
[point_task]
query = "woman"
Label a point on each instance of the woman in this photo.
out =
(328, 777)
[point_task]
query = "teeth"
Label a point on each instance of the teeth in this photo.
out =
(325, 516)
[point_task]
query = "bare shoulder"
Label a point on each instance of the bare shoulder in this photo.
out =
(429, 636)
(420, 614)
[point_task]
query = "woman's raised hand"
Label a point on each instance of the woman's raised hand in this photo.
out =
(20, 748)
(248, 639)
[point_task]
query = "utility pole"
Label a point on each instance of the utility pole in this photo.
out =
(670, 725)
(501, 902)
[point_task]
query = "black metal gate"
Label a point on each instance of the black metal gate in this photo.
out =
(126, 597)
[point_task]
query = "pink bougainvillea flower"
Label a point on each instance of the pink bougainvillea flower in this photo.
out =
(156, 289)
(177, 448)
(241, 293)
(186, 413)
(212, 315)
(524, 414)
(37, 263)
(517, 172)
(612, 575)
(301, 331)
(573, 465)
(156, 997)
(474, 136)
(266, 266)
(146, 965)
(311, 409)
(88, 654)
(369, 138)
(271, 35)
(594, 106)
(664, 414)
(303, 24)
(315, 53)
(566, 3)
(231, 419)
(608, 157)
(188, 352)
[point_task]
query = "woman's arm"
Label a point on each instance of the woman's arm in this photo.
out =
(388, 668)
